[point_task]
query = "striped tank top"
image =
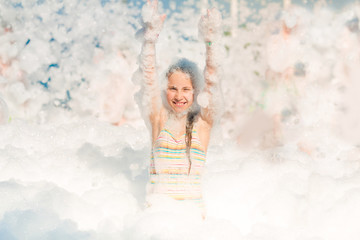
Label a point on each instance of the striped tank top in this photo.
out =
(169, 167)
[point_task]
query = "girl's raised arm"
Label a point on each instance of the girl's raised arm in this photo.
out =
(211, 99)
(149, 97)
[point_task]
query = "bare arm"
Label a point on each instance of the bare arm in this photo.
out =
(211, 98)
(149, 97)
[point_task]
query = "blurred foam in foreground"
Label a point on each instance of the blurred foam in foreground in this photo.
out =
(74, 151)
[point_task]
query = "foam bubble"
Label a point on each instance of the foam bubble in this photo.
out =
(4, 112)
(67, 173)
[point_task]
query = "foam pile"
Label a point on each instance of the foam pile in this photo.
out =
(74, 150)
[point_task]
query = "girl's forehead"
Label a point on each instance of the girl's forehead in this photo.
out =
(179, 79)
(180, 85)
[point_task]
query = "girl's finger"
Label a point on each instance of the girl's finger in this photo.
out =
(162, 17)
(155, 2)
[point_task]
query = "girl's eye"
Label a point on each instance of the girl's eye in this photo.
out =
(172, 88)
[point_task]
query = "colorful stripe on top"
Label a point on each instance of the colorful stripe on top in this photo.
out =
(169, 167)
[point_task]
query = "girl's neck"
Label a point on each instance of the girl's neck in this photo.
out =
(176, 122)
(178, 116)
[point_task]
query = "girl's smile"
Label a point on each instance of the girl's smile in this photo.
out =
(180, 92)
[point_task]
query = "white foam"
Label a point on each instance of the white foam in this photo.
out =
(4, 112)
(67, 173)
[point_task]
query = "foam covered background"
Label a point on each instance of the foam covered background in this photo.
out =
(74, 150)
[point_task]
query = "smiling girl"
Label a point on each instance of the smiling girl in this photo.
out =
(180, 127)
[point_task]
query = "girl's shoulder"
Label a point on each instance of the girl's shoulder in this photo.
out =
(202, 124)
(159, 117)
(203, 129)
(158, 123)
(163, 117)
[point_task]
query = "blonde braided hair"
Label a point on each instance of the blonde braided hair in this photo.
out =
(188, 137)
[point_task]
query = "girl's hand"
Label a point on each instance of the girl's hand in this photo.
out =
(210, 26)
(152, 21)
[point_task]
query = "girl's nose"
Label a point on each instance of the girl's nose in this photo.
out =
(178, 95)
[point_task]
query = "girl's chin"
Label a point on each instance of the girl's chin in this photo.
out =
(180, 110)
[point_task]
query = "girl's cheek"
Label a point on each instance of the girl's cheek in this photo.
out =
(169, 94)
(189, 95)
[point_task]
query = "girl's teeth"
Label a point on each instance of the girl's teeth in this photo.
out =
(179, 103)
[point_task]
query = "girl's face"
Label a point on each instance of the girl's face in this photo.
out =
(180, 92)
